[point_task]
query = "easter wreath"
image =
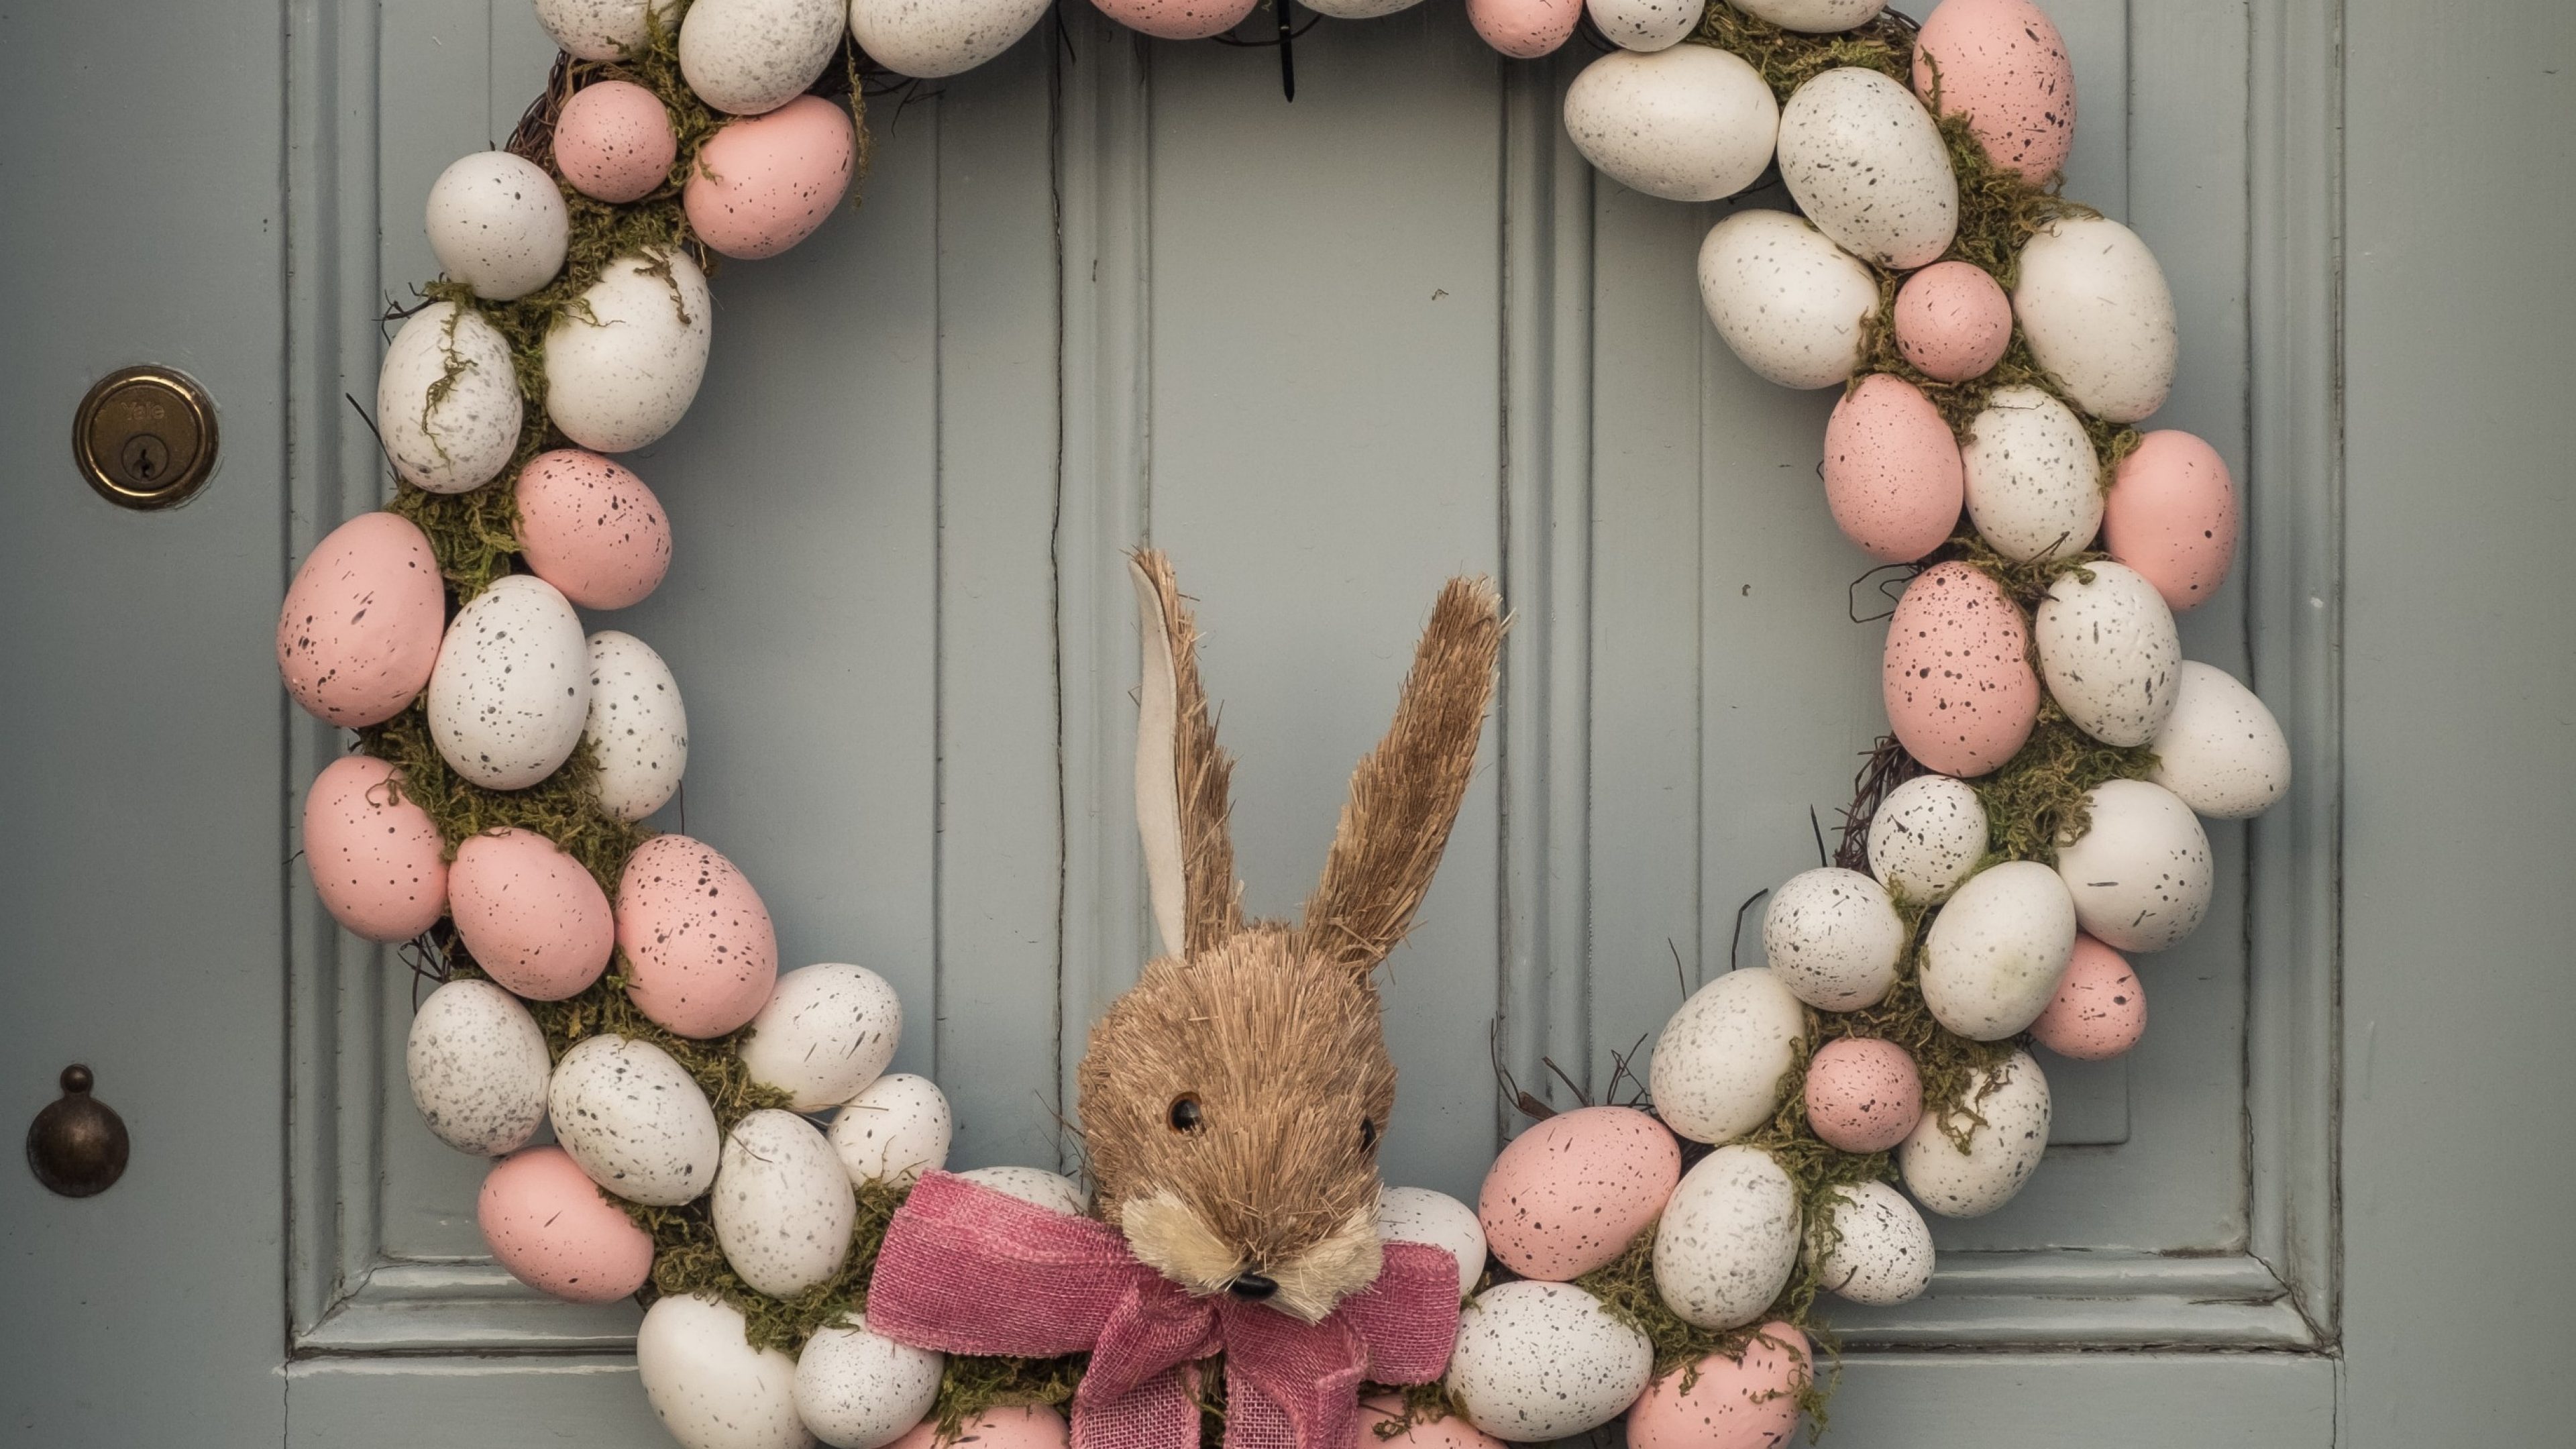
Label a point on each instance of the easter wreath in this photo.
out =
(2032, 816)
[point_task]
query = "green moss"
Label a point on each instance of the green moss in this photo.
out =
(2036, 801)
(1788, 59)
(974, 1386)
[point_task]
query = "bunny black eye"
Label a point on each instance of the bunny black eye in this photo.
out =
(1184, 1115)
(1368, 1134)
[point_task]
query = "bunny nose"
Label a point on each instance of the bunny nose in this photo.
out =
(1251, 1287)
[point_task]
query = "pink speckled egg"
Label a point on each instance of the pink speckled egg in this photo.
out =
(592, 529)
(1524, 29)
(1569, 1194)
(555, 1231)
(1750, 1403)
(376, 857)
(2100, 1009)
(1863, 1094)
(1892, 474)
(1953, 321)
(359, 632)
(530, 914)
(2002, 64)
(614, 142)
(1033, 1427)
(697, 939)
(1452, 1432)
(1960, 692)
(1178, 19)
(762, 184)
(2172, 516)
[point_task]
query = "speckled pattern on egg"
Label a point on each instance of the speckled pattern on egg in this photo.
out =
(623, 367)
(1692, 123)
(1788, 302)
(2100, 1009)
(511, 690)
(497, 223)
(549, 1225)
(1957, 680)
(447, 400)
(602, 29)
(699, 943)
(2001, 1154)
(1524, 29)
(1869, 168)
(861, 1390)
(1728, 1240)
(894, 1131)
(1178, 19)
(1994, 956)
(2002, 64)
(634, 1120)
(1719, 1061)
(929, 39)
(589, 526)
(358, 633)
(1832, 936)
(1419, 1215)
(1893, 481)
(376, 858)
(826, 1032)
(763, 184)
(1540, 1361)
(1646, 25)
(2171, 516)
(782, 1206)
(2034, 483)
(709, 1386)
(1814, 17)
(1953, 321)
(1926, 836)
(638, 726)
(1863, 1094)
(745, 57)
(1572, 1191)
(1731, 1403)
(2095, 309)
(477, 1064)
(1035, 1186)
(2142, 875)
(2221, 752)
(1873, 1247)
(531, 916)
(2109, 652)
(613, 141)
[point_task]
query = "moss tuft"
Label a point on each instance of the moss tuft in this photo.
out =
(1788, 59)
(2036, 801)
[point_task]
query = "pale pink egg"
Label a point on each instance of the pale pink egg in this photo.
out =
(592, 529)
(1524, 29)
(1731, 1404)
(376, 858)
(1178, 19)
(1033, 1427)
(1953, 321)
(697, 939)
(762, 184)
(359, 632)
(2002, 64)
(1451, 1432)
(1893, 480)
(614, 142)
(530, 915)
(2100, 1009)
(1961, 695)
(2172, 516)
(1863, 1094)
(1569, 1194)
(555, 1231)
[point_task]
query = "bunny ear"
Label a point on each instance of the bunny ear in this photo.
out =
(1181, 775)
(1405, 795)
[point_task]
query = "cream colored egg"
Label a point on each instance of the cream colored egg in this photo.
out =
(746, 57)
(2220, 752)
(511, 688)
(934, 38)
(1419, 1215)
(1814, 17)
(604, 29)
(782, 1206)
(2001, 1154)
(1870, 1246)
(1869, 168)
(2141, 875)
(497, 223)
(1790, 304)
(1542, 1361)
(1926, 836)
(2098, 315)
(893, 1131)
(1728, 1239)
(634, 1120)
(826, 1033)
(1692, 123)
(1718, 1064)
(1994, 956)
(1645, 25)
(447, 400)
(1035, 1186)
(862, 1390)
(623, 366)
(478, 1069)
(709, 1386)
(2034, 483)
(2109, 652)
(636, 725)
(1833, 938)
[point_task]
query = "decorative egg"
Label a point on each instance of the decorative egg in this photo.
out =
(1814, 17)
(1960, 693)
(637, 726)
(1728, 1403)
(1033, 1427)
(2095, 308)
(447, 400)
(2001, 1154)
(1692, 123)
(1728, 1239)
(1419, 1215)
(604, 29)
(478, 1070)
(747, 57)
(893, 1131)
(634, 1120)
(376, 857)
(2034, 483)
(763, 184)
(1645, 25)
(1953, 321)
(1869, 168)
(2172, 516)
(1035, 1186)
(1177, 19)
(1926, 837)
(623, 366)
(549, 1225)
(1892, 473)
(1717, 1066)
(699, 945)
(1833, 938)
(1383, 1411)
(2141, 875)
(782, 1206)
(2109, 652)
(1569, 1194)
(710, 1388)
(1524, 29)
(1541, 1361)
(497, 223)
(1872, 1246)
(2002, 64)
(1994, 956)
(2100, 1009)
(512, 685)
(1790, 304)
(530, 915)
(614, 142)
(862, 1390)
(2220, 752)
(827, 1031)
(591, 528)
(359, 630)
(929, 39)
(1863, 1094)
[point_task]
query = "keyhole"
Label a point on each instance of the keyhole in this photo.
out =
(144, 457)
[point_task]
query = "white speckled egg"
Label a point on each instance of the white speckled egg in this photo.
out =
(1645, 25)
(2220, 751)
(1035, 1186)
(512, 685)
(827, 1031)
(497, 223)
(934, 38)
(603, 29)
(1832, 937)
(1869, 168)
(1992, 959)
(1419, 1215)
(1926, 836)
(783, 1207)
(2109, 652)
(2001, 1154)
(478, 1068)
(2141, 875)
(1692, 123)
(1789, 303)
(636, 725)
(744, 57)
(2034, 483)
(622, 368)
(1871, 1246)
(894, 1131)
(1814, 17)
(709, 1386)
(1718, 1064)
(634, 1120)
(1728, 1240)
(2096, 310)
(447, 400)
(1540, 1361)
(862, 1390)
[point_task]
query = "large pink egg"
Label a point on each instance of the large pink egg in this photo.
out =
(1863, 1094)
(2002, 64)
(699, 943)
(1569, 1194)
(1033, 1427)
(1524, 29)
(1452, 1432)
(531, 915)
(614, 142)
(1893, 480)
(360, 629)
(1953, 321)
(1731, 1404)
(2099, 1011)
(1960, 692)
(1178, 19)
(592, 529)
(762, 184)
(376, 857)
(2172, 516)
(557, 1232)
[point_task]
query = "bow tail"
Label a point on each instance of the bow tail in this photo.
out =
(1321, 1412)
(1160, 1413)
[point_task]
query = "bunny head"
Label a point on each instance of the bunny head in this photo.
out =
(1232, 1102)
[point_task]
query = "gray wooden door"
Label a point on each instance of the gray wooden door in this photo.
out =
(1325, 353)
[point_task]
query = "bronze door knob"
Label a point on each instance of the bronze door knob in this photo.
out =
(77, 1145)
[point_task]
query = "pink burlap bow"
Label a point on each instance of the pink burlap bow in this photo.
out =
(969, 1270)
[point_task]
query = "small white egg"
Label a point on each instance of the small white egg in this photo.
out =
(1692, 123)
(1832, 936)
(2220, 751)
(478, 1069)
(2109, 652)
(497, 223)
(604, 29)
(1419, 1215)
(1718, 1063)
(447, 400)
(2034, 483)
(782, 1205)
(2141, 875)
(2098, 315)
(1790, 304)
(1035, 1186)
(511, 688)
(2001, 1154)
(637, 726)
(893, 1131)
(1869, 168)
(1871, 1246)
(634, 1120)
(1994, 956)
(1646, 25)
(709, 1386)
(827, 1032)
(1542, 1361)
(1728, 1239)
(1814, 17)
(748, 57)
(862, 1390)
(623, 367)
(929, 39)
(1926, 837)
